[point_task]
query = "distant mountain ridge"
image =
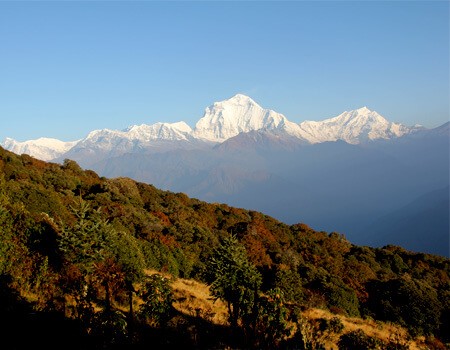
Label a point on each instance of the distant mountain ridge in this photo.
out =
(355, 127)
(42, 148)
(220, 122)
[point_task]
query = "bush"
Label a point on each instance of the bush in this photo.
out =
(409, 302)
(110, 326)
(335, 325)
(342, 297)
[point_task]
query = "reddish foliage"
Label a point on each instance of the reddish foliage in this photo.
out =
(165, 221)
(169, 241)
(256, 251)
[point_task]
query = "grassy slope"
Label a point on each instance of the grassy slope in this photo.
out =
(192, 298)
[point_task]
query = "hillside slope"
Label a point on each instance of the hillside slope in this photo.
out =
(76, 245)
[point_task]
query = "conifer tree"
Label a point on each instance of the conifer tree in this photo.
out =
(234, 279)
(83, 246)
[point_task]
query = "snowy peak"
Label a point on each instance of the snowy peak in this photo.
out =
(353, 127)
(358, 117)
(363, 110)
(228, 118)
(42, 148)
(238, 99)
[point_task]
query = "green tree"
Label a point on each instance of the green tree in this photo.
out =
(129, 256)
(272, 321)
(234, 279)
(83, 246)
(7, 241)
(84, 243)
(158, 297)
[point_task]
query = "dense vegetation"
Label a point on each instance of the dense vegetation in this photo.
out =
(75, 248)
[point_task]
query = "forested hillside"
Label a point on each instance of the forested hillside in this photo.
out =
(76, 248)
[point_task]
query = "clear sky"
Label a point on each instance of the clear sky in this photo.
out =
(69, 67)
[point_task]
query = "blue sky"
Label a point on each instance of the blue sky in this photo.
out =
(70, 67)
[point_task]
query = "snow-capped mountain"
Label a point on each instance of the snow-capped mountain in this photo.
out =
(353, 127)
(106, 143)
(240, 113)
(42, 148)
(160, 131)
(136, 135)
(220, 122)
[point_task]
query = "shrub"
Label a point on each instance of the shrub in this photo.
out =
(409, 302)
(342, 297)
(271, 325)
(110, 326)
(335, 325)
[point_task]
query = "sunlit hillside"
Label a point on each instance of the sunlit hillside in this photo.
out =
(88, 262)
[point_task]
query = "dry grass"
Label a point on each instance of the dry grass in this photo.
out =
(376, 329)
(194, 299)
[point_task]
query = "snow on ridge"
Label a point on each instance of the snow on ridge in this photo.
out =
(141, 133)
(179, 126)
(353, 127)
(42, 148)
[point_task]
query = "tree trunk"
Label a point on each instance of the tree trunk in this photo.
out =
(107, 298)
(130, 312)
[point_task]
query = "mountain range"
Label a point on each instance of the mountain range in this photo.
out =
(220, 122)
(343, 174)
